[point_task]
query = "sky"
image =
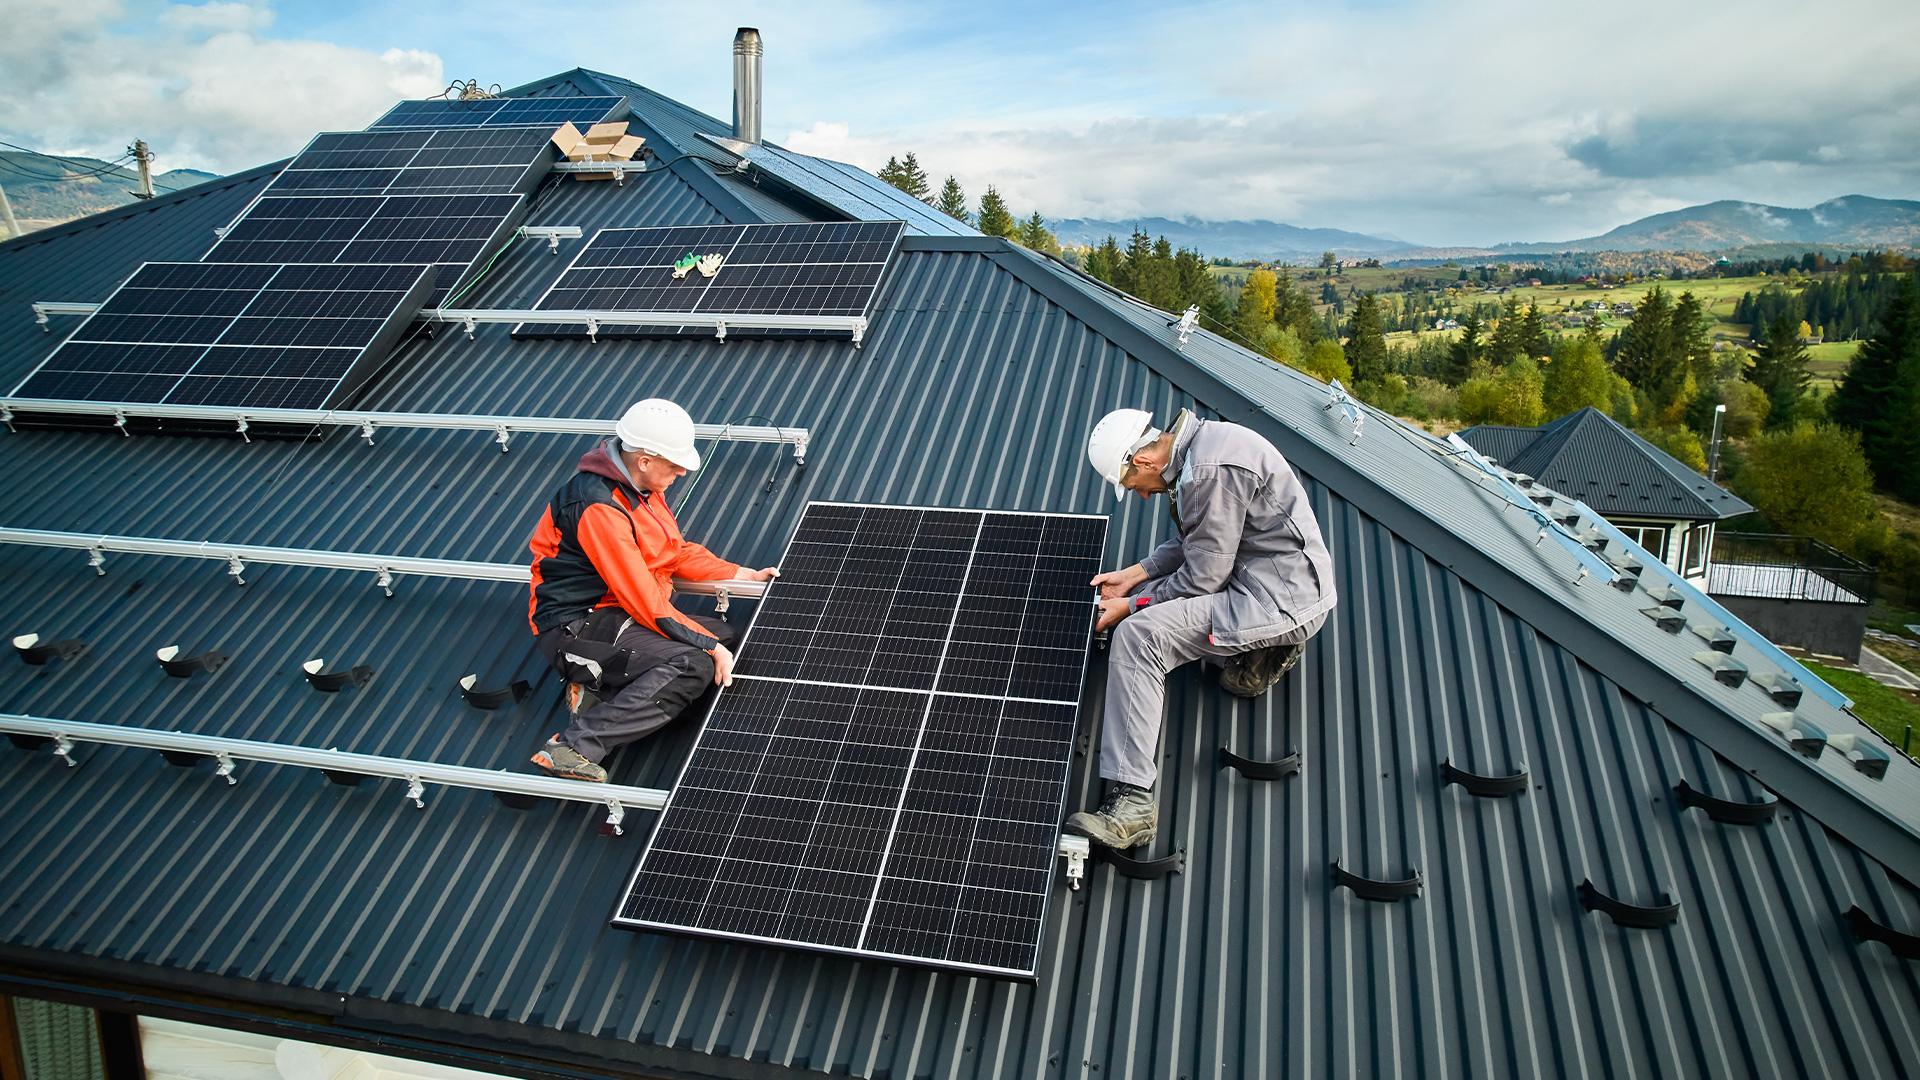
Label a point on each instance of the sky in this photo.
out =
(1464, 123)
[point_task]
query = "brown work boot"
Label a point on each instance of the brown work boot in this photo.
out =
(1127, 817)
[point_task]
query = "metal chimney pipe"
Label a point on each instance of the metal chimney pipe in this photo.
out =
(746, 84)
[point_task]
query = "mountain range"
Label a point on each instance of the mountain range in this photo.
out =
(1848, 223)
(46, 191)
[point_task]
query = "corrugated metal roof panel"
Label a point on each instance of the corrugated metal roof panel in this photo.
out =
(481, 929)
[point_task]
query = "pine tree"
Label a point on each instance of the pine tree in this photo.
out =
(891, 173)
(1691, 340)
(953, 201)
(1504, 348)
(1780, 368)
(1467, 350)
(1533, 333)
(1880, 395)
(1293, 308)
(1135, 274)
(1644, 354)
(995, 219)
(1035, 236)
(913, 178)
(1103, 260)
(1367, 341)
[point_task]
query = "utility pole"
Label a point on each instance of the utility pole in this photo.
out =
(6, 214)
(144, 154)
(1713, 450)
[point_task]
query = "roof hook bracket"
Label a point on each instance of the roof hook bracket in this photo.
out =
(236, 568)
(97, 559)
(719, 331)
(593, 330)
(366, 431)
(1143, 869)
(383, 580)
(470, 326)
(6, 417)
(615, 813)
(800, 449)
(1658, 915)
(500, 435)
(1278, 769)
(415, 789)
(40, 317)
(1075, 849)
(120, 421)
(859, 331)
(63, 747)
(225, 767)
(240, 429)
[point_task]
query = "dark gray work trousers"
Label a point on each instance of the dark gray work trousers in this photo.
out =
(644, 679)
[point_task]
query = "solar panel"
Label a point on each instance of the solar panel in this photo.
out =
(805, 268)
(501, 112)
(423, 161)
(268, 336)
(449, 231)
(886, 775)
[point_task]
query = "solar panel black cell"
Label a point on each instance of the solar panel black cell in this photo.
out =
(885, 814)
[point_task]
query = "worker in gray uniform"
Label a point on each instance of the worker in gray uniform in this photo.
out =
(1246, 581)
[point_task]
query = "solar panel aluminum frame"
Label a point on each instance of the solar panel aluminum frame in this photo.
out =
(379, 346)
(596, 324)
(880, 877)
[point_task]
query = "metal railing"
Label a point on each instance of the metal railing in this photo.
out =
(1784, 567)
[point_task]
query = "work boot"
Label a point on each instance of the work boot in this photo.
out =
(562, 760)
(1127, 818)
(580, 699)
(1250, 674)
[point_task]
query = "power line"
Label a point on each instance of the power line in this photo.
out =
(69, 169)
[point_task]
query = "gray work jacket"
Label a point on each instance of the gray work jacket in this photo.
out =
(1246, 530)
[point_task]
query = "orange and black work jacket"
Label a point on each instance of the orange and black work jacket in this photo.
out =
(604, 542)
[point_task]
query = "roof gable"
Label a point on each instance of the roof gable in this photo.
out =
(1587, 455)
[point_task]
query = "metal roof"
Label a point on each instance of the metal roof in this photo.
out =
(1588, 455)
(478, 934)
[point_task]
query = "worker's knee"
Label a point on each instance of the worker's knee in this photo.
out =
(1134, 641)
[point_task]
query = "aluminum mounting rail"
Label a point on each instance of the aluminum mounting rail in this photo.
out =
(384, 567)
(1590, 563)
(502, 427)
(470, 318)
(44, 308)
(227, 753)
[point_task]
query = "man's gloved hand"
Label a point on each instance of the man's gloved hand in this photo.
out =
(1119, 582)
(722, 666)
(1111, 611)
(744, 574)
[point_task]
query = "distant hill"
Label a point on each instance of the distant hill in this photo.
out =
(1270, 240)
(48, 191)
(1851, 222)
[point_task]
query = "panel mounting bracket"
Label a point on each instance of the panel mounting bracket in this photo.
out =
(1075, 849)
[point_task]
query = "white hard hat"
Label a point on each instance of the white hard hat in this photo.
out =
(1117, 437)
(658, 426)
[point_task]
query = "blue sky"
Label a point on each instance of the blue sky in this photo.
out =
(1471, 122)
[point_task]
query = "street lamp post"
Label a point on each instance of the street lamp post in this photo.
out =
(1713, 452)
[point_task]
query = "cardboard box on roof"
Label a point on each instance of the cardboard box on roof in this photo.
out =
(601, 142)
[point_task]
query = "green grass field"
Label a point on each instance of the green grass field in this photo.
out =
(1890, 712)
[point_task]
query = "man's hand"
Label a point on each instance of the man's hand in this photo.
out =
(1119, 582)
(744, 574)
(722, 666)
(1111, 611)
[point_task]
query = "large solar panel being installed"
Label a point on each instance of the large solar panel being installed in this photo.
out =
(502, 112)
(268, 336)
(870, 784)
(805, 268)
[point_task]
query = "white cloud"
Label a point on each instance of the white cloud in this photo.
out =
(202, 84)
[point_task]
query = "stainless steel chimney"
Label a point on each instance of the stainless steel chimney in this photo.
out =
(746, 84)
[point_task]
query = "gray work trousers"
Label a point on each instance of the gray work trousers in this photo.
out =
(661, 678)
(1145, 647)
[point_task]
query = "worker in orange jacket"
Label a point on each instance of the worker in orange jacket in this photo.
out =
(604, 556)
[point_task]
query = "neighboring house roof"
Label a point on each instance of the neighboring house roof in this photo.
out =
(479, 934)
(1588, 455)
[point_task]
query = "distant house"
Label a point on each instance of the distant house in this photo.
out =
(1645, 492)
(1446, 324)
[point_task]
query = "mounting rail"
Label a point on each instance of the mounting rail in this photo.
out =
(502, 427)
(384, 567)
(225, 752)
(44, 308)
(721, 321)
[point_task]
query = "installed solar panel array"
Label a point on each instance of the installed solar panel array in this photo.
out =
(887, 773)
(806, 268)
(236, 334)
(500, 112)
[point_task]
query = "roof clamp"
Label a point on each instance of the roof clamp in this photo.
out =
(383, 580)
(40, 316)
(1189, 319)
(470, 325)
(800, 449)
(593, 330)
(1076, 856)
(225, 767)
(416, 789)
(1337, 396)
(6, 417)
(366, 431)
(720, 331)
(859, 331)
(615, 812)
(236, 568)
(240, 429)
(120, 421)
(63, 748)
(720, 601)
(500, 435)
(97, 559)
